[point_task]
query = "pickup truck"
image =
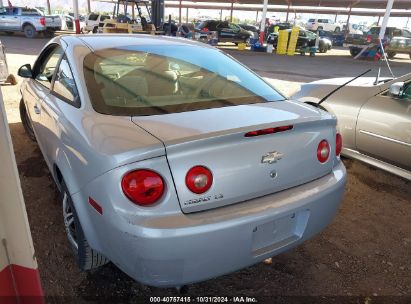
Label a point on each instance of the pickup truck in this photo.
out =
(398, 41)
(28, 20)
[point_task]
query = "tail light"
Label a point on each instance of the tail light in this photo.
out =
(323, 151)
(43, 21)
(369, 38)
(205, 29)
(143, 187)
(199, 179)
(268, 131)
(338, 144)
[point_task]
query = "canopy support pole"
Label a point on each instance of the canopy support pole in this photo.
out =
(231, 11)
(76, 21)
(187, 15)
(88, 7)
(179, 13)
(263, 17)
(288, 12)
(347, 30)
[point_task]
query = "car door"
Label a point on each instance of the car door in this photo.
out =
(40, 85)
(384, 128)
(223, 31)
(56, 108)
(6, 18)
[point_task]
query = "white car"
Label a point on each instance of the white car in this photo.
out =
(323, 24)
(353, 28)
(67, 23)
(92, 22)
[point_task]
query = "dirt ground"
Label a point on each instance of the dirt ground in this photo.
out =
(365, 252)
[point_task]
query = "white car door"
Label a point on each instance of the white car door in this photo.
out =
(64, 95)
(39, 87)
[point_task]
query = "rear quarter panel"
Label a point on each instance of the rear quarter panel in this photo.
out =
(344, 104)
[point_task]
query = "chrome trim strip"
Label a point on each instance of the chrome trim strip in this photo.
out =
(386, 138)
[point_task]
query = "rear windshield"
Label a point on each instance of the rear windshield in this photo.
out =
(150, 80)
(311, 20)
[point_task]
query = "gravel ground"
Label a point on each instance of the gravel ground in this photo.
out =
(364, 256)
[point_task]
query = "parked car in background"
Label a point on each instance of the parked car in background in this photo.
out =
(398, 41)
(352, 29)
(305, 39)
(323, 24)
(92, 22)
(374, 118)
(174, 161)
(226, 31)
(279, 26)
(30, 21)
(337, 39)
(68, 23)
(254, 30)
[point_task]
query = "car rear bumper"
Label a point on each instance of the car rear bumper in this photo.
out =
(182, 248)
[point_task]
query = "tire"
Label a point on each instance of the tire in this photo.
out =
(25, 120)
(354, 52)
(391, 55)
(319, 28)
(410, 56)
(86, 257)
(337, 30)
(323, 49)
(95, 29)
(48, 34)
(29, 31)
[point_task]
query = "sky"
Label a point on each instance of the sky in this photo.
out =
(242, 15)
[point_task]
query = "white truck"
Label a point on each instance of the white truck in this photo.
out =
(322, 24)
(31, 21)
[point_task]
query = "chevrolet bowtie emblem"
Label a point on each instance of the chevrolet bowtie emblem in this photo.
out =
(271, 157)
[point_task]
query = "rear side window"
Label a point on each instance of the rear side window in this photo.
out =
(30, 12)
(311, 20)
(151, 80)
(64, 84)
(93, 17)
(104, 17)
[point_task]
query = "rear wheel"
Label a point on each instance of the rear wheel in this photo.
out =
(29, 31)
(319, 28)
(354, 52)
(337, 30)
(95, 29)
(86, 257)
(391, 55)
(48, 34)
(25, 120)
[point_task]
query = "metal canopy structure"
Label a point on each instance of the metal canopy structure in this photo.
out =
(284, 9)
(373, 4)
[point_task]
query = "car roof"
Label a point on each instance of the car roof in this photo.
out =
(97, 42)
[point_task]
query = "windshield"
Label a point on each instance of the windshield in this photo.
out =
(150, 80)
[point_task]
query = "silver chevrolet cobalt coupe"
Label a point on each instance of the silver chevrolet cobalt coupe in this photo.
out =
(174, 161)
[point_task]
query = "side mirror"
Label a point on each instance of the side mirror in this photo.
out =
(396, 89)
(25, 71)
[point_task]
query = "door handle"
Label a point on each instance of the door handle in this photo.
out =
(36, 109)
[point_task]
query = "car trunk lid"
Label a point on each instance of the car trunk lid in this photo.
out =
(243, 167)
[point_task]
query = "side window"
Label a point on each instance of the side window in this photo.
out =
(45, 67)
(64, 84)
(396, 33)
(102, 18)
(93, 17)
